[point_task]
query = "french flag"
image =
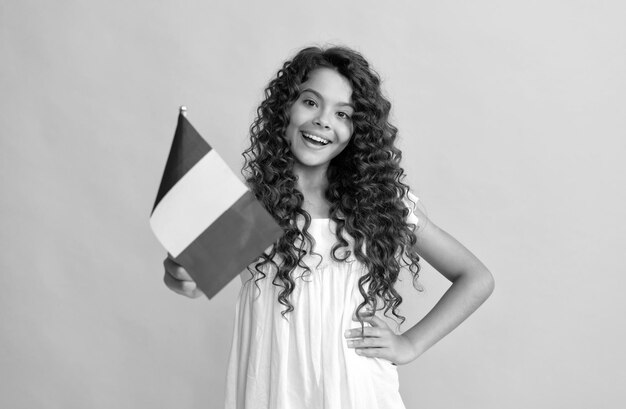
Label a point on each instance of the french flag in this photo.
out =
(205, 217)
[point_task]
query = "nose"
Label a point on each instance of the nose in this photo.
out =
(322, 120)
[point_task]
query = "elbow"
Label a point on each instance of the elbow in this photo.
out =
(486, 283)
(479, 283)
(492, 283)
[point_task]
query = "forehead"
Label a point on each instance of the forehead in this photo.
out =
(331, 85)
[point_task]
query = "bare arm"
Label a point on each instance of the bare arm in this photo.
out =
(472, 283)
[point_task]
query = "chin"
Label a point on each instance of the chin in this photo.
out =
(309, 162)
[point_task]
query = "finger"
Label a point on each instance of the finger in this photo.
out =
(367, 342)
(177, 285)
(186, 288)
(176, 270)
(372, 352)
(380, 353)
(196, 293)
(365, 312)
(367, 332)
(375, 321)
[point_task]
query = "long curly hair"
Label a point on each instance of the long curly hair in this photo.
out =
(365, 188)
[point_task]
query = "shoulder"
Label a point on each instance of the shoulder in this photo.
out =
(410, 199)
(415, 216)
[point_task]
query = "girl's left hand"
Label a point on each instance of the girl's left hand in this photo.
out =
(379, 341)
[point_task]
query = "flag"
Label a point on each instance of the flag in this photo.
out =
(205, 217)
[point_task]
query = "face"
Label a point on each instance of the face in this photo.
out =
(320, 124)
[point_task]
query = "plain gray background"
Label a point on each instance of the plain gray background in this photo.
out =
(512, 123)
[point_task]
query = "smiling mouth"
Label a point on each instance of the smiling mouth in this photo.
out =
(315, 139)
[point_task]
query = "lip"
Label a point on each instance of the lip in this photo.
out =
(316, 134)
(311, 145)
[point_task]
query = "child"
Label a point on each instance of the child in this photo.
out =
(322, 160)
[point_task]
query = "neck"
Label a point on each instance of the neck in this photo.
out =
(312, 182)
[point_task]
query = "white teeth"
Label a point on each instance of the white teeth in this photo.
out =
(316, 138)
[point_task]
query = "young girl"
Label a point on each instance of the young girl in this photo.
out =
(322, 160)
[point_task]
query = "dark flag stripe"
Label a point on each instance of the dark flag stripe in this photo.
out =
(237, 238)
(188, 147)
(205, 217)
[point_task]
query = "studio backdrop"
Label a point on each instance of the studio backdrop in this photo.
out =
(511, 120)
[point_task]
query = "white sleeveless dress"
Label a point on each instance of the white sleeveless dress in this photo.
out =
(301, 361)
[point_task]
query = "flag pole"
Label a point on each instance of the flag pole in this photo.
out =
(205, 216)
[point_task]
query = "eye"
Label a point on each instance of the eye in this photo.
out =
(343, 115)
(309, 102)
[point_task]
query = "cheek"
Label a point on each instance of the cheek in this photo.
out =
(347, 132)
(296, 115)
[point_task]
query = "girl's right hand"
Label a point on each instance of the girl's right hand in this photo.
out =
(177, 279)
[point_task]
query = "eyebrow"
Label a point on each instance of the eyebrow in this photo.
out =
(317, 94)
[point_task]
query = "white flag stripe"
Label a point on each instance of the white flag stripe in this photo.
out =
(205, 192)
